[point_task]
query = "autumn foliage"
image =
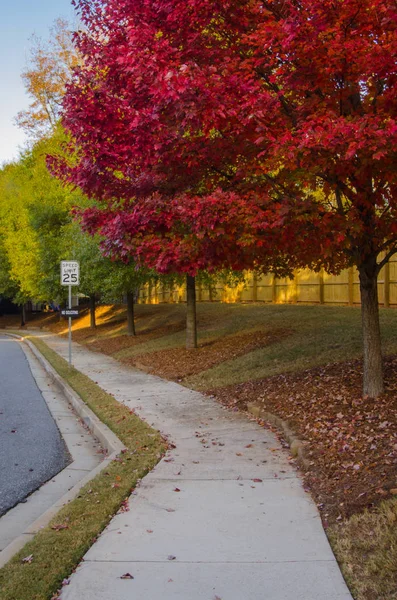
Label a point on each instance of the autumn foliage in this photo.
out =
(189, 233)
(45, 77)
(291, 106)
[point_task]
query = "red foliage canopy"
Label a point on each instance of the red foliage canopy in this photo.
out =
(290, 103)
(188, 233)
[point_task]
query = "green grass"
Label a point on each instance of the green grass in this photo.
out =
(319, 335)
(56, 552)
(166, 342)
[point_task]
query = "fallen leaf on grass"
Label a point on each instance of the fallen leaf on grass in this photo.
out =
(124, 507)
(28, 559)
(59, 527)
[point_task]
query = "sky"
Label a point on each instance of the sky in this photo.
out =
(20, 19)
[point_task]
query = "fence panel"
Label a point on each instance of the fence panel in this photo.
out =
(306, 287)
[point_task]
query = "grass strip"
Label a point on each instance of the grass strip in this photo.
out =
(57, 549)
(366, 549)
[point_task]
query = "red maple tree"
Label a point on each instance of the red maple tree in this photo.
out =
(189, 233)
(290, 102)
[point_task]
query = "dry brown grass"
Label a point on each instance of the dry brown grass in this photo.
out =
(366, 549)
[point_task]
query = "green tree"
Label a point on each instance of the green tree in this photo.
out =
(34, 212)
(95, 270)
(125, 280)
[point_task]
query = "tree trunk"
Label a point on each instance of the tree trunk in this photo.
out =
(130, 314)
(373, 370)
(191, 324)
(92, 312)
(23, 315)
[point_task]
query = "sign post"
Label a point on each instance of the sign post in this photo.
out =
(70, 275)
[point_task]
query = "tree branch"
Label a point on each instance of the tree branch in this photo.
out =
(274, 87)
(387, 258)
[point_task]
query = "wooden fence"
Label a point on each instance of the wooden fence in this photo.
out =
(306, 287)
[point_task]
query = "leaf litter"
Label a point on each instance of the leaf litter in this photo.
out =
(178, 363)
(351, 440)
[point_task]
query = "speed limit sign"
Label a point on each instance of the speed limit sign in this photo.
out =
(70, 272)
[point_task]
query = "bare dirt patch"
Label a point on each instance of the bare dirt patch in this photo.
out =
(178, 363)
(352, 441)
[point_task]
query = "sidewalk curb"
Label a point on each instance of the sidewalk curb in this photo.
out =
(297, 446)
(109, 441)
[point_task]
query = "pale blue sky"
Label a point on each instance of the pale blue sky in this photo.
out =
(19, 20)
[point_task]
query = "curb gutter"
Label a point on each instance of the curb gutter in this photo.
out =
(108, 440)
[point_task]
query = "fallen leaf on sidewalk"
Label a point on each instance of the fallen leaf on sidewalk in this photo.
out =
(171, 557)
(127, 576)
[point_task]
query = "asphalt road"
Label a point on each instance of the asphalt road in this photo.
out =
(31, 448)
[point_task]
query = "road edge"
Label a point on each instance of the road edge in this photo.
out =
(109, 441)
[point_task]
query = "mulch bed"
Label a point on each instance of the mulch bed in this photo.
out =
(352, 441)
(178, 363)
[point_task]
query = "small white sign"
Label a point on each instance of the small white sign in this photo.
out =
(70, 272)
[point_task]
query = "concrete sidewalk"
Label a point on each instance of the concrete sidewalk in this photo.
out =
(222, 517)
